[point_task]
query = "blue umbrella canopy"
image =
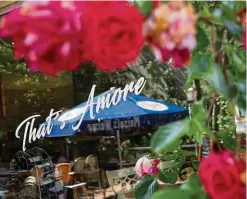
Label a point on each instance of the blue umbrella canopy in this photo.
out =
(136, 111)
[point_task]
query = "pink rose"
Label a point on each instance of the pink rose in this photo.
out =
(220, 175)
(143, 167)
(47, 35)
(242, 16)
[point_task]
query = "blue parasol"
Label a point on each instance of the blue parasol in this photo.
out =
(137, 111)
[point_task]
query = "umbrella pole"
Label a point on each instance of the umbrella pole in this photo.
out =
(119, 150)
(67, 150)
(67, 147)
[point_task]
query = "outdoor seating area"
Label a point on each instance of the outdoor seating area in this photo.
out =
(126, 99)
(79, 179)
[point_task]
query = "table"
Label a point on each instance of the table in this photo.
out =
(3, 194)
(88, 173)
(71, 190)
(85, 177)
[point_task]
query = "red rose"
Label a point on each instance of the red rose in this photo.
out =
(47, 35)
(12, 26)
(220, 175)
(114, 33)
(155, 170)
(242, 16)
(156, 161)
(179, 57)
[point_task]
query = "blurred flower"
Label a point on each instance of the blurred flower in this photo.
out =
(244, 141)
(170, 31)
(123, 143)
(46, 35)
(220, 174)
(155, 161)
(144, 167)
(243, 177)
(244, 39)
(156, 3)
(242, 16)
(113, 33)
(125, 147)
(243, 155)
(126, 143)
(155, 170)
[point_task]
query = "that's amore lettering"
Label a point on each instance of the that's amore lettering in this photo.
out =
(31, 133)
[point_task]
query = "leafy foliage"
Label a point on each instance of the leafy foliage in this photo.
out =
(219, 63)
(163, 82)
(26, 92)
(146, 188)
(226, 124)
(168, 177)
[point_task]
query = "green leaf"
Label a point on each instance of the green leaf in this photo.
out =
(237, 60)
(198, 111)
(145, 6)
(194, 187)
(199, 137)
(241, 96)
(227, 11)
(205, 11)
(146, 187)
(171, 193)
(200, 128)
(166, 138)
(202, 195)
(234, 29)
(238, 5)
(168, 177)
(189, 81)
(200, 65)
(202, 39)
(229, 140)
(177, 165)
(217, 80)
(195, 165)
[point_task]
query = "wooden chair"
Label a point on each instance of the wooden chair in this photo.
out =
(62, 172)
(122, 181)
